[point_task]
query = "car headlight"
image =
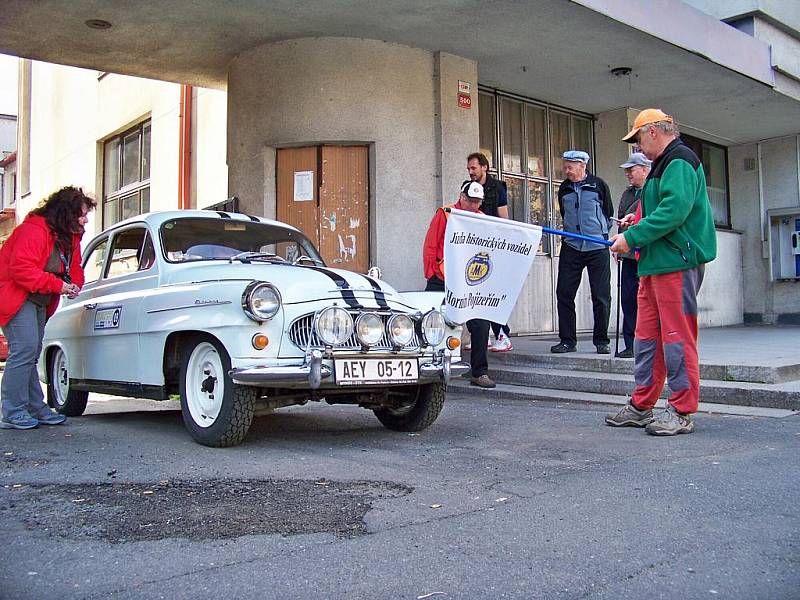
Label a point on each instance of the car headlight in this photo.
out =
(261, 301)
(401, 330)
(334, 326)
(433, 328)
(369, 329)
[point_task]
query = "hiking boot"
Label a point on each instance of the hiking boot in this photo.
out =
(627, 353)
(483, 381)
(603, 349)
(21, 423)
(670, 422)
(503, 344)
(629, 416)
(51, 418)
(561, 348)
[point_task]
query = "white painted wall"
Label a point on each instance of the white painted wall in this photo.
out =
(73, 112)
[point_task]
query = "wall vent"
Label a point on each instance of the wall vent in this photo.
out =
(749, 164)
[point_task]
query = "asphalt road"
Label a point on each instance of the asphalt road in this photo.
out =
(498, 499)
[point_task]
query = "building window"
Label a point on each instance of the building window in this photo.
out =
(715, 164)
(524, 140)
(126, 175)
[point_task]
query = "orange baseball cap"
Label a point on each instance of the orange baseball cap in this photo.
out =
(646, 117)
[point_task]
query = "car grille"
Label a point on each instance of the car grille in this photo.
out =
(302, 329)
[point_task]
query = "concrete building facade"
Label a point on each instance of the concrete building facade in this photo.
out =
(413, 88)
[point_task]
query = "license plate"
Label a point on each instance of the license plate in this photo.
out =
(356, 371)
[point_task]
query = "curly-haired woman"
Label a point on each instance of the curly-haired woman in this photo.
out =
(38, 262)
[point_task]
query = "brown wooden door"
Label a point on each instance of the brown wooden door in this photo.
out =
(338, 217)
(298, 207)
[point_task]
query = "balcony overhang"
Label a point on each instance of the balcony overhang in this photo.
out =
(710, 76)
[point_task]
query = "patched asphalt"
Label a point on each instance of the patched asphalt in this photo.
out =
(498, 499)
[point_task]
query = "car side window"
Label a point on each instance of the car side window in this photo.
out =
(93, 264)
(127, 251)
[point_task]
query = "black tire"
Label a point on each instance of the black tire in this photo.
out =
(418, 416)
(60, 397)
(204, 370)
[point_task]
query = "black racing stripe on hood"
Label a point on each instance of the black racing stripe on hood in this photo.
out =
(380, 295)
(347, 294)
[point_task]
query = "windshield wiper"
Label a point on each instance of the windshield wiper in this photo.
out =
(303, 257)
(246, 257)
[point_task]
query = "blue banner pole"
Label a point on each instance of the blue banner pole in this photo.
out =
(578, 236)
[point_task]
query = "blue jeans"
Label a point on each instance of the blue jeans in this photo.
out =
(21, 392)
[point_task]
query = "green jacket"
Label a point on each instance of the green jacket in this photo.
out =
(677, 227)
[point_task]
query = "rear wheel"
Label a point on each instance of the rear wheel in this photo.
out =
(216, 411)
(423, 408)
(59, 395)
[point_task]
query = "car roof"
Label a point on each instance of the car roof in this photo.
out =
(157, 218)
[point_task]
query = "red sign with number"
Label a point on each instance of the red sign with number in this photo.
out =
(464, 101)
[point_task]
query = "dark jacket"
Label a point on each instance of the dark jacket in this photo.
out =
(677, 227)
(627, 206)
(494, 190)
(585, 208)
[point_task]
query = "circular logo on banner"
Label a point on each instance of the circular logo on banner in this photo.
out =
(479, 267)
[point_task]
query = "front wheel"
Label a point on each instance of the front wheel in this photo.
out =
(216, 411)
(426, 404)
(59, 395)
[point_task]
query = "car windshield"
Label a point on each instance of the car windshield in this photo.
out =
(194, 239)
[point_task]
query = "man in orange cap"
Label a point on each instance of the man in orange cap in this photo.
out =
(676, 237)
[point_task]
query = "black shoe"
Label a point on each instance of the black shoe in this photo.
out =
(627, 353)
(561, 348)
(603, 349)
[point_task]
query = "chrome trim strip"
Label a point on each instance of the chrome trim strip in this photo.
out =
(214, 303)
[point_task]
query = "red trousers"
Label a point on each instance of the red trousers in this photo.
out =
(665, 343)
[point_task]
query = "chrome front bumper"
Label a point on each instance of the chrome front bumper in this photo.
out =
(314, 371)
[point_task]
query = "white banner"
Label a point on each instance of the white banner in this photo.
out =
(486, 261)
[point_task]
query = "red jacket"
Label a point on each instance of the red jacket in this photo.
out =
(23, 258)
(433, 248)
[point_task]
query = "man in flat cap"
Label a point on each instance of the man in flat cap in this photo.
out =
(585, 205)
(636, 169)
(675, 238)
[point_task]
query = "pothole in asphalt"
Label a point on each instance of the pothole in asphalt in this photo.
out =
(196, 510)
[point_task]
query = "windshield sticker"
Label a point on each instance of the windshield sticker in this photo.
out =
(108, 318)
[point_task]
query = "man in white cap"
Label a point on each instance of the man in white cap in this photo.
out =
(585, 205)
(469, 199)
(636, 169)
(675, 238)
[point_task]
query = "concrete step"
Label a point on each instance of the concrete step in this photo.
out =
(782, 395)
(579, 361)
(505, 391)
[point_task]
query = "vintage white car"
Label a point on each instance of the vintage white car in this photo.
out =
(237, 313)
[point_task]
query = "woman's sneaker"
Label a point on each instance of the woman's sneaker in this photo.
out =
(52, 418)
(503, 344)
(630, 416)
(22, 423)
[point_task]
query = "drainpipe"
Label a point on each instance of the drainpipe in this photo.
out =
(185, 149)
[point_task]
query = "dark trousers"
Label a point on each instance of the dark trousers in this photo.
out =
(497, 328)
(570, 267)
(478, 331)
(629, 289)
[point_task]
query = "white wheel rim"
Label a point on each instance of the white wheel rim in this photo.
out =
(205, 385)
(60, 378)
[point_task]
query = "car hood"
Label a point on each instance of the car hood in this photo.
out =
(296, 284)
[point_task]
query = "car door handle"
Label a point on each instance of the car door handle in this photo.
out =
(90, 306)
